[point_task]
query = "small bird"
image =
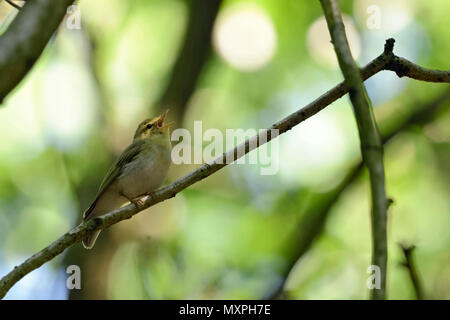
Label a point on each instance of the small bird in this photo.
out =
(138, 171)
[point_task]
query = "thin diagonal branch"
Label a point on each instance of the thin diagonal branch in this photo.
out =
(310, 227)
(412, 269)
(371, 146)
(25, 39)
(13, 4)
(80, 232)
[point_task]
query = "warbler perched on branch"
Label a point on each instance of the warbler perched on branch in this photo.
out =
(138, 171)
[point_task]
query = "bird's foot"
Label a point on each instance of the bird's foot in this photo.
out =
(138, 202)
(149, 194)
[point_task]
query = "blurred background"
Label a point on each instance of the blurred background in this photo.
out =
(303, 233)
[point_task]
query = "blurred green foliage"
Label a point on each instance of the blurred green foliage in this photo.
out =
(234, 234)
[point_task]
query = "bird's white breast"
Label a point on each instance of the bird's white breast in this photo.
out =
(146, 173)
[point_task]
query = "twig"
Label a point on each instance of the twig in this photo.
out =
(405, 68)
(412, 270)
(371, 146)
(310, 227)
(25, 39)
(13, 4)
(80, 232)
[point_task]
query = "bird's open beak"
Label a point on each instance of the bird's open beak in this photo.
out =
(167, 125)
(161, 121)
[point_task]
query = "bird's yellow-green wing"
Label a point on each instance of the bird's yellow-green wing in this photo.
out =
(116, 169)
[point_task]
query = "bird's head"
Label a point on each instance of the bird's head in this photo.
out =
(153, 128)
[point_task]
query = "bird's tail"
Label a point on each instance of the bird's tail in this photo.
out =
(89, 241)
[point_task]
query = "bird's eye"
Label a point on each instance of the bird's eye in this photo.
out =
(150, 125)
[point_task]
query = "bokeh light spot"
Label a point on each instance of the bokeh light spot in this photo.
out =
(393, 15)
(244, 37)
